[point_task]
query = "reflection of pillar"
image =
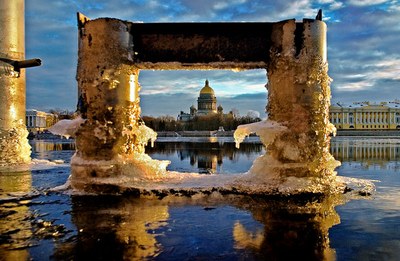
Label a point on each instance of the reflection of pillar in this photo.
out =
(14, 222)
(207, 163)
(108, 90)
(120, 228)
(299, 97)
(292, 230)
(14, 147)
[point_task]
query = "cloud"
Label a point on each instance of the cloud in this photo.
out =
(363, 55)
(364, 43)
(367, 2)
(171, 104)
(224, 82)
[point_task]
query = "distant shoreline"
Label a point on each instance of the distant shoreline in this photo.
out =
(195, 133)
(380, 133)
(340, 133)
(371, 133)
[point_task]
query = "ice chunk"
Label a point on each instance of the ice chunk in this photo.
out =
(67, 128)
(266, 130)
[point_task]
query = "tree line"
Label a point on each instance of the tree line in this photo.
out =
(198, 123)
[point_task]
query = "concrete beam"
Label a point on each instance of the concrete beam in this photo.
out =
(241, 45)
(201, 45)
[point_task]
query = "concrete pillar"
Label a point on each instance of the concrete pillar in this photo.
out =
(14, 147)
(108, 99)
(299, 98)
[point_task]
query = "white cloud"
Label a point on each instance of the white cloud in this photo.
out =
(367, 2)
(362, 43)
(355, 86)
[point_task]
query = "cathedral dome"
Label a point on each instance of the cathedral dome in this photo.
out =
(207, 90)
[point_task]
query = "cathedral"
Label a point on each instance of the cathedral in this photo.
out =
(206, 105)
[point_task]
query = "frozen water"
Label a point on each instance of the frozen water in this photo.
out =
(266, 130)
(14, 149)
(42, 164)
(67, 128)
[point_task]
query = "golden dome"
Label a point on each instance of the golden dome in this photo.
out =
(207, 90)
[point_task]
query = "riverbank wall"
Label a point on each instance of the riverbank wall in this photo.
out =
(389, 133)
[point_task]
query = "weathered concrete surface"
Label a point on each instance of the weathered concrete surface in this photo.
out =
(108, 98)
(201, 45)
(299, 98)
(14, 147)
(206, 45)
(294, 55)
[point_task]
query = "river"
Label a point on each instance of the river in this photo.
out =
(40, 224)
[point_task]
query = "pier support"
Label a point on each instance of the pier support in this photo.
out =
(14, 147)
(299, 98)
(111, 53)
(108, 99)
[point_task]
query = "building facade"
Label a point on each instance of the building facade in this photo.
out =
(38, 121)
(366, 116)
(206, 104)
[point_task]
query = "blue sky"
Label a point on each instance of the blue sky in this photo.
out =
(363, 50)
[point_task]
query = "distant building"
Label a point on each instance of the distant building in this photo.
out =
(38, 121)
(366, 116)
(206, 105)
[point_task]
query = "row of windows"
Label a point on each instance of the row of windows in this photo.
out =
(375, 126)
(207, 106)
(351, 120)
(371, 127)
(35, 121)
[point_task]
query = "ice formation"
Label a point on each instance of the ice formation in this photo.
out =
(15, 150)
(67, 128)
(266, 130)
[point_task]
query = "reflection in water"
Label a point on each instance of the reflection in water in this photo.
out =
(207, 227)
(366, 151)
(53, 149)
(293, 229)
(247, 239)
(183, 228)
(41, 146)
(15, 226)
(114, 228)
(207, 157)
(58, 145)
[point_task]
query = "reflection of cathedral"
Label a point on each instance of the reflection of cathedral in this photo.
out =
(206, 104)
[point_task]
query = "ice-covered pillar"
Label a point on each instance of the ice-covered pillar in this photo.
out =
(299, 98)
(108, 98)
(14, 147)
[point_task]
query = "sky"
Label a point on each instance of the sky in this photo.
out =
(363, 50)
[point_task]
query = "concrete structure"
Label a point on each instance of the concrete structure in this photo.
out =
(366, 116)
(112, 52)
(206, 104)
(14, 147)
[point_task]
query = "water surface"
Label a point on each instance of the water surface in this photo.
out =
(38, 224)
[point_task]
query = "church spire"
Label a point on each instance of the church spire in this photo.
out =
(206, 82)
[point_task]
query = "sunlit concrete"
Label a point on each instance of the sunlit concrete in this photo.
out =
(14, 147)
(112, 52)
